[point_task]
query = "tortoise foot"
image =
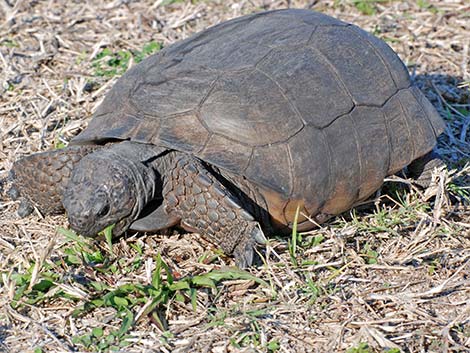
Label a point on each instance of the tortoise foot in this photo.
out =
(421, 169)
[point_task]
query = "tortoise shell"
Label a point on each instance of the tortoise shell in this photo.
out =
(310, 110)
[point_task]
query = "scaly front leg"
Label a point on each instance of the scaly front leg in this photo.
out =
(40, 179)
(204, 204)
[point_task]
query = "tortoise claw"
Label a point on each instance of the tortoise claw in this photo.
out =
(258, 235)
(25, 208)
(244, 253)
(13, 193)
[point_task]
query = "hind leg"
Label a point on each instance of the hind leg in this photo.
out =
(422, 168)
(39, 180)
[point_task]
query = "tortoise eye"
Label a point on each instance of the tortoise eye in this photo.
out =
(104, 211)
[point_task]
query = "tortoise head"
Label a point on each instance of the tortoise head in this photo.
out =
(104, 189)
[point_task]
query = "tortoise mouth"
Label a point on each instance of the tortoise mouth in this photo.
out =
(96, 232)
(121, 226)
(84, 229)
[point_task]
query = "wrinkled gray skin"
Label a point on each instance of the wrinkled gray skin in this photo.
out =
(110, 186)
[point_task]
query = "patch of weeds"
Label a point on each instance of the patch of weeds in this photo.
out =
(312, 241)
(462, 192)
(95, 284)
(9, 43)
(129, 299)
(407, 200)
(148, 49)
(382, 221)
(150, 301)
(252, 337)
(113, 340)
(273, 346)
(369, 255)
(406, 212)
(295, 237)
(48, 279)
(109, 64)
(108, 235)
(30, 295)
(80, 250)
(59, 143)
(432, 265)
(312, 289)
(216, 317)
(8, 86)
(299, 241)
(252, 333)
(361, 348)
(170, 2)
(366, 7)
(425, 5)
(210, 257)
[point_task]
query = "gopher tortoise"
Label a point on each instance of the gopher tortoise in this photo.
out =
(231, 131)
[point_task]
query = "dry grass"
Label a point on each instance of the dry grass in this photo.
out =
(396, 276)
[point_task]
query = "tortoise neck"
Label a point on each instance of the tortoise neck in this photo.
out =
(133, 159)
